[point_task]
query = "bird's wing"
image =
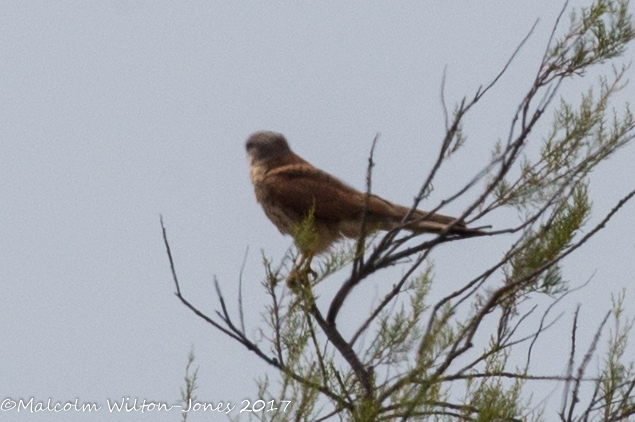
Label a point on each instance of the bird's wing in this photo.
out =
(302, 188)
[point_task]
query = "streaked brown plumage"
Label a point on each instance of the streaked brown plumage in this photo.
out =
(289, 189)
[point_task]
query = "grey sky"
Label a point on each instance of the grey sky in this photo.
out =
(114, 112)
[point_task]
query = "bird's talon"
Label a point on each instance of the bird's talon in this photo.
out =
(297, 278)
(293, 280)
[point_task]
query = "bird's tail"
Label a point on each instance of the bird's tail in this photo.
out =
(423, 222)
(388, 216)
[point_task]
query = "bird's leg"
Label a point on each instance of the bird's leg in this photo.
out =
(307, 265)
(294, 278)
(301, 270)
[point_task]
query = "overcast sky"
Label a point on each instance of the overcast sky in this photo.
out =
(114, 112)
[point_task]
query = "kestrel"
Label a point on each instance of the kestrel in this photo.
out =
(291, 190)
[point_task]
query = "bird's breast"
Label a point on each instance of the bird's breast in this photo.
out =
(256, 172)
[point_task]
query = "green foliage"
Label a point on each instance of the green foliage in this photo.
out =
(578, 141)
(398, 331)
(417, 357)
(534, 264)
(304, 234)
(191, 385)
(583, 136)
(494, 400)
(413, 354)
(617, 378)
(597, 33)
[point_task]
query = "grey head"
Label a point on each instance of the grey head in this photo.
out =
(264, 145)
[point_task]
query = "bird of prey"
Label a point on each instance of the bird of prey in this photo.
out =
(291, 190)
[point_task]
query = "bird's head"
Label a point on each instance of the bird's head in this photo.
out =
(264, 145)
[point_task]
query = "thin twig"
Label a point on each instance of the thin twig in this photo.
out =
(240, 291)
